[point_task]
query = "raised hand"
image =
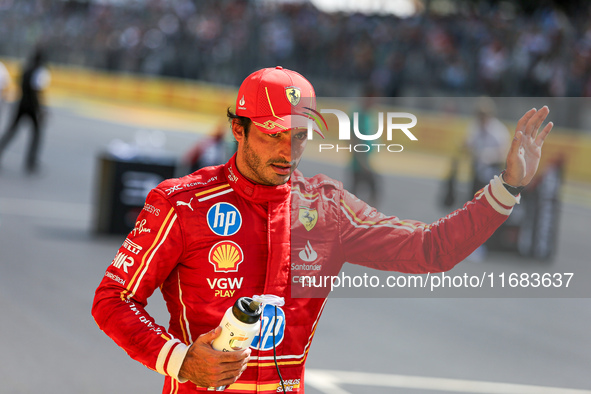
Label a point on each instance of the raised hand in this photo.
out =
(526, 148)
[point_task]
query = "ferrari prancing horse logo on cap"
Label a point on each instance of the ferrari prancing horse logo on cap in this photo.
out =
(293, 95)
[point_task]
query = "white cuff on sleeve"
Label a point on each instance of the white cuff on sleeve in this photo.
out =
(176, 361)
(171, 357)
(499, 197)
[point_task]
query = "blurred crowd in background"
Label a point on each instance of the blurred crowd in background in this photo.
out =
(490, 48)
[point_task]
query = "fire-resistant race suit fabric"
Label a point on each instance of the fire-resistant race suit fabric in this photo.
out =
(213, 236)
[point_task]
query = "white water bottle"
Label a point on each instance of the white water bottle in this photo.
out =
(240, 324)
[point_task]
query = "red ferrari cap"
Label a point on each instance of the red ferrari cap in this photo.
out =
(277, 100)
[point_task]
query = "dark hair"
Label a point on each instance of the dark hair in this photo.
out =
(242, 121)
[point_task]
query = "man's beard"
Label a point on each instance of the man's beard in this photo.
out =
(257, 167)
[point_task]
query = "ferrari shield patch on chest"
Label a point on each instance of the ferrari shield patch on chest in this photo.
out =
(293, 95)
(308, 217)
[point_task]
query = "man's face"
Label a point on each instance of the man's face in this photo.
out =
(270, 159)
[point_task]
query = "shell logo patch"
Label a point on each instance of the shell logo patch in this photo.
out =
(225, 256)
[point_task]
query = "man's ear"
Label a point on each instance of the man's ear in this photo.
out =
(238, 131)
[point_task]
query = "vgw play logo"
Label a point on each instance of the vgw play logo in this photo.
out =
(344, 124)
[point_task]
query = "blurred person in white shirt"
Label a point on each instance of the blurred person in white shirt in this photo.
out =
(488, 142)
(4, 83)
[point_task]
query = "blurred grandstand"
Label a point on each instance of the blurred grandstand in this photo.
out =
(497, 48)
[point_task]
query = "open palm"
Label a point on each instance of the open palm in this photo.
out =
(524, 155)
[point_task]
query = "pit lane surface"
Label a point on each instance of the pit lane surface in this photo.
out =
(51, 261)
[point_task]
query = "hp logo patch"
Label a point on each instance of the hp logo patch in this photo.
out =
(264, 341)
(224, 219)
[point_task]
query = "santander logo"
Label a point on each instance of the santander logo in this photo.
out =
(308, 254)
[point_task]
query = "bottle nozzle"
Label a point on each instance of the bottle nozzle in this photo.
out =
(254, 306)
(246, 310)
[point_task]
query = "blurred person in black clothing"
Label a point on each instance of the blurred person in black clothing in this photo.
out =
(34, 79)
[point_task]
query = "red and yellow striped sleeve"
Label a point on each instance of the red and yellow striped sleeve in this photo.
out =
(373, 239)
(147, 257)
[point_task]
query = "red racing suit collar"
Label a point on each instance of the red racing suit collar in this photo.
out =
(252, 191)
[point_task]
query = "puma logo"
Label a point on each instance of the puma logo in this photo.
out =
(179, 203)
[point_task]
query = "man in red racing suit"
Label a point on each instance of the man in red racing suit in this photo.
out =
(215, 235)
